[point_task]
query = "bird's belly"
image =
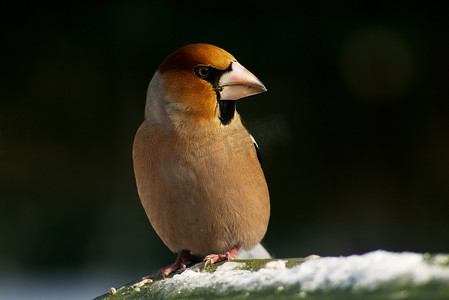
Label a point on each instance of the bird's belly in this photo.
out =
(207, 202)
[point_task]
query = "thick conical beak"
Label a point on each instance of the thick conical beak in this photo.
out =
(239, 83)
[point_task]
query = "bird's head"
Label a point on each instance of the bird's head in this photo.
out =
(198, 85)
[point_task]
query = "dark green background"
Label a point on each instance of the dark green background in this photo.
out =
(354, 130)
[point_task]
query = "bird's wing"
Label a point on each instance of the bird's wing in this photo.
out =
(259, 157)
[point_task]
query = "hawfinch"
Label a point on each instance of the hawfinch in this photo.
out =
(197, 168)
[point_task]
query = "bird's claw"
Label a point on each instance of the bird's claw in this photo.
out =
(183, 258)
(213, 258)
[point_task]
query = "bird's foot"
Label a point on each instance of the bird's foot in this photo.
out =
(213, 258)
(184, 257)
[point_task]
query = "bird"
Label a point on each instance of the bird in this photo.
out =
(197, 167)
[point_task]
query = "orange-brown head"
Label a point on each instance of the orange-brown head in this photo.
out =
(198, 85)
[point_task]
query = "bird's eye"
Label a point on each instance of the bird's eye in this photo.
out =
(202, 72)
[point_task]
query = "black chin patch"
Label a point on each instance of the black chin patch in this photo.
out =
(226, 111)
(212, 75)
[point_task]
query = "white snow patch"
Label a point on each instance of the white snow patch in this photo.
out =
(366, 271)
(275, 264)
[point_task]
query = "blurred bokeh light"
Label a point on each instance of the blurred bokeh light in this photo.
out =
(376, 65)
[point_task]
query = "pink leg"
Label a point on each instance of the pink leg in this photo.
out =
(184, 257)
(213, 258)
